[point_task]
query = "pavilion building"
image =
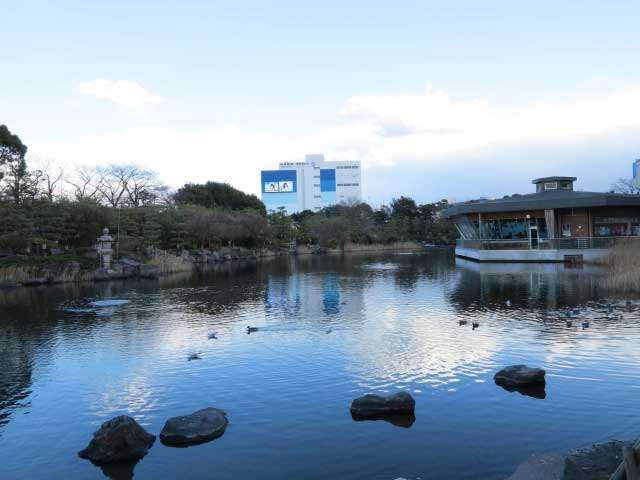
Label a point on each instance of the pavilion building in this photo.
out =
(556, 223)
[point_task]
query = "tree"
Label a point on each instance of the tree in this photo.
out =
(50, 180)
(113, 183)
(627, 186)
(143, 187)
(12, 150)
(86, 183)
(218, 195)
(19, 182)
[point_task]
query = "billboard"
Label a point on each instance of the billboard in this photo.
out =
(286, 186)
(278, 181)
(271, 187)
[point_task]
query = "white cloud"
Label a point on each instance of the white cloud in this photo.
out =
(121, 92)
(429, 131)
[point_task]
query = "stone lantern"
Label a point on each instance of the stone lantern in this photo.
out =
(105, 241)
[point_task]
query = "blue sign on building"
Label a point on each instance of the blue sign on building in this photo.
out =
(279, 190)
(327, 187)
(279, 181)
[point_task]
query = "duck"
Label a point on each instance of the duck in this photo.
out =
(462, 322)
(251, 329)
(213, 335)
(474, 325)
(569, 323)
(508, 303)
(585, 324)
(329, 330)
(194, 356)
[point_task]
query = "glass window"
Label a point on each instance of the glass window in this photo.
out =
(551, 186)
(514, 229)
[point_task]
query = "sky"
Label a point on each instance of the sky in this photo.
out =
(450, 99)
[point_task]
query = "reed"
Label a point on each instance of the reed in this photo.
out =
(623, 268)
(18, 273)
(172, 264)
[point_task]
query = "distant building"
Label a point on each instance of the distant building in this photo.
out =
(311, 185)
(636, 173)
(556, 223)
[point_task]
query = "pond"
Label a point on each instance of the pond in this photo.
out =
(330, 329)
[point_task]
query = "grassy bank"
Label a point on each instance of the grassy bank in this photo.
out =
(623, 268)
(20, 269)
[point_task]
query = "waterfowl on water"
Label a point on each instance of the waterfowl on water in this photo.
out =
(585, 324)
(462, 322)
(251, 329)
(508, 303)
(194, 356)
(474, 325)
(213, 335)
(329, 330)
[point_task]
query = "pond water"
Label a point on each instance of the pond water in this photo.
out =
(330, 329)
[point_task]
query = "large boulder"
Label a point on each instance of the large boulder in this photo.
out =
(373, 405)
(120, 439)
(201, 426)
(519, 376)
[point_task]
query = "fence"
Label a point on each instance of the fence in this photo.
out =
(571, 243)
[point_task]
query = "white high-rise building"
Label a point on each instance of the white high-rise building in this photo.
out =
(636, 173)
(311, 185)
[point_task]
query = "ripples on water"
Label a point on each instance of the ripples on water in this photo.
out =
(329, 329)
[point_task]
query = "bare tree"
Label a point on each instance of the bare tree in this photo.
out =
(86, 183)
(114, 181)
(142, 186)
(50, 180)
(626, 185)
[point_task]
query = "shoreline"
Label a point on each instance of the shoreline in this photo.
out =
(46, 271)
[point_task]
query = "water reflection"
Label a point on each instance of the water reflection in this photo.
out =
(397, 322)
(534, 391)
(402, 421)
(119, 471)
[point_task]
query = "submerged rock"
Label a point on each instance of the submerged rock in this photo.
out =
(541, 467)
(121, 439)
(200, 426)
(519, 376)
(375, 406)
(597, 462)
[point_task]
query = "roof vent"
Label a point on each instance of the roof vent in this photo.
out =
(554, 184)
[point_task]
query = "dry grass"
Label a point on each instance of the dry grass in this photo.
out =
(623, 268)
(18, 274)
(172, 264)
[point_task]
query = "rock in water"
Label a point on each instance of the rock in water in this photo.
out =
(519, 376)
(120, 439)
(373, 405)
(198, 427)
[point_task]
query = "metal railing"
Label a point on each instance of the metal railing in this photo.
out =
(569, 243)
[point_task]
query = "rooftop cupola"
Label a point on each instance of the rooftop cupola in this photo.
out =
(554, 184)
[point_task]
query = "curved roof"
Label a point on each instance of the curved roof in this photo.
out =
(554, 179)
(542, 201)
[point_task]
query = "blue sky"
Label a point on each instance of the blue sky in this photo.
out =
(438, 99)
